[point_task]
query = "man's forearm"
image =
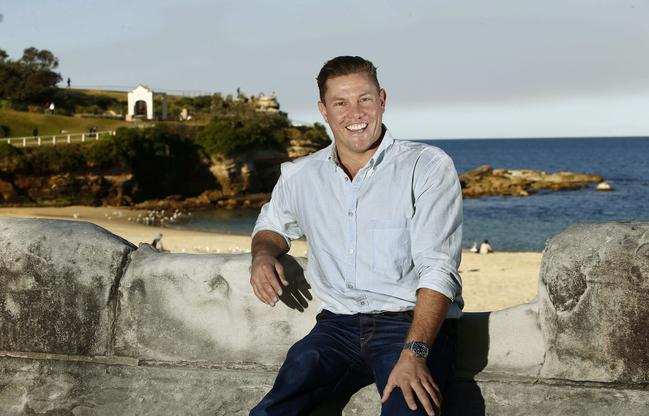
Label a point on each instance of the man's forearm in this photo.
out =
(269, 243)
(430, 311)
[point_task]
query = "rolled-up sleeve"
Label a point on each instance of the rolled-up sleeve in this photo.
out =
(278, 214)
(436, 226)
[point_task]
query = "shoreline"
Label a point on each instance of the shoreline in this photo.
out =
(490, 281)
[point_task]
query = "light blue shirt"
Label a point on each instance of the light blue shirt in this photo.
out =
(376, 239)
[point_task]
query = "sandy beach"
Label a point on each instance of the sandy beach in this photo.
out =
(490, 282)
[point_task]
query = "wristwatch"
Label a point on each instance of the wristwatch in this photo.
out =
(419, 348)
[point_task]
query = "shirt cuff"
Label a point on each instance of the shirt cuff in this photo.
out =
(443, 282)
(275, 230)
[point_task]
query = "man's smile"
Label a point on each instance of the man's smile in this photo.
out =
(356, 127)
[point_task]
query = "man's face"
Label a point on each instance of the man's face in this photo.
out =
(353, 107)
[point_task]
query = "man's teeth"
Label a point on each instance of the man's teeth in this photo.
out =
(356, 127)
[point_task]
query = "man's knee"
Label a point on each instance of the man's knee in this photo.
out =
(397, 406)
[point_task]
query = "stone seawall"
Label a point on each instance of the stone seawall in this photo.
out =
(92, 325)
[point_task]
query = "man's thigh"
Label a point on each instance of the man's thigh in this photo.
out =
(324, 366)
(384, 352)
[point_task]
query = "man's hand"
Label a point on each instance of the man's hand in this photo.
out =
(411, 375)
(266, 274)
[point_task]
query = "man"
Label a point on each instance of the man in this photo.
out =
(383, 219)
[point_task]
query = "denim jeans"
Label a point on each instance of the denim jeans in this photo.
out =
(344, 353)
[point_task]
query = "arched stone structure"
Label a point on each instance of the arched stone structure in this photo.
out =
(141, 101)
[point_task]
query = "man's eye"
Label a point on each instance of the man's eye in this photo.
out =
(339, 104)
(366, 99)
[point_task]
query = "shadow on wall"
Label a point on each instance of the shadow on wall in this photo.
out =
(463, 396)
(296, 295)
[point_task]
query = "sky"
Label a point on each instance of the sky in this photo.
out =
(451, 68)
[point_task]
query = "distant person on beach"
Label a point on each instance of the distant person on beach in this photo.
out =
(157, 242)
(383, 219)
(474, 248)
(485, 247)
(68, 82)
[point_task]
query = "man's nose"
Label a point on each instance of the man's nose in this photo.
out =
(355, 110)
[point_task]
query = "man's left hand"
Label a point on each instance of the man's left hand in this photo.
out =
(412, 376)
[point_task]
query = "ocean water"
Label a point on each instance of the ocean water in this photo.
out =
(523, 223)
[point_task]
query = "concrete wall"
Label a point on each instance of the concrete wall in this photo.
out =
(91, 325)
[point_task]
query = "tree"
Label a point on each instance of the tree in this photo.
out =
(39, 59)
(31, 79)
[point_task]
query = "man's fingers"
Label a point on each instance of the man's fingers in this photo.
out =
(280, 273)
(269, 290)
(273, 283)
(409, 397)
(424, 398)
(258, 293)
(434, 392)
(386, 391)
(263, 289)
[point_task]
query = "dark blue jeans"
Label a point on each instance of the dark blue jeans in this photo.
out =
(344, 353)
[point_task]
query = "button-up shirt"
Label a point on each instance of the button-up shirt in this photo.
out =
(374, 240)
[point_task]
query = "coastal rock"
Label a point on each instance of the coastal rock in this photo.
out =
(604, 186)
(594, 289)
(486, 181)
(9, 195)
(66, 189)
(251, 172)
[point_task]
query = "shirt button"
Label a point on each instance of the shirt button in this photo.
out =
(351, 251)
(350, 286)
(361, 302)
(350, 213)
(346, 179)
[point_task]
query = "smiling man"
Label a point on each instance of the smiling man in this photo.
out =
(383, 219)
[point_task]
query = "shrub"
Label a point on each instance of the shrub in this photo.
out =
(229, 134)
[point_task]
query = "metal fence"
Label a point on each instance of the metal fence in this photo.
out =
(63, 138)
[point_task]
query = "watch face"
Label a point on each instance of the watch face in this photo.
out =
(419, 348)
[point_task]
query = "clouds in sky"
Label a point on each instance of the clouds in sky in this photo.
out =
(475, 68)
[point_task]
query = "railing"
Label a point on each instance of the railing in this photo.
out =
(63, 138)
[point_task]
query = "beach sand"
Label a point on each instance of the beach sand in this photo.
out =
(490, 282)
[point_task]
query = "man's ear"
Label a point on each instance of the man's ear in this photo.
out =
(382, 97)
(323, 111)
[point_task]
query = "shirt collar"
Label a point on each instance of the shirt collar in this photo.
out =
(379, 155)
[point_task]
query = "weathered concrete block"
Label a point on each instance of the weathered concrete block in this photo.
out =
(506, 396)
(506, 342)
(55, 280)
(179, 307)
(594, 293)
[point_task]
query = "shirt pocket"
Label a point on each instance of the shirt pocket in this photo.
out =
(390, 246)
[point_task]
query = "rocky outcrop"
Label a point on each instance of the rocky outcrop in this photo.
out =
(66, 189)
(486, 181)
(92, 325)
(251, 172)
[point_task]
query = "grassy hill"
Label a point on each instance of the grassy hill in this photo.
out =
(22, 123)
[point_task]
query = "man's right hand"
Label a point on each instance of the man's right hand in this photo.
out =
(267, 278)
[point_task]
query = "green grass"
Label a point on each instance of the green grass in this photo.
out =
(22, 123)
(118, 95)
